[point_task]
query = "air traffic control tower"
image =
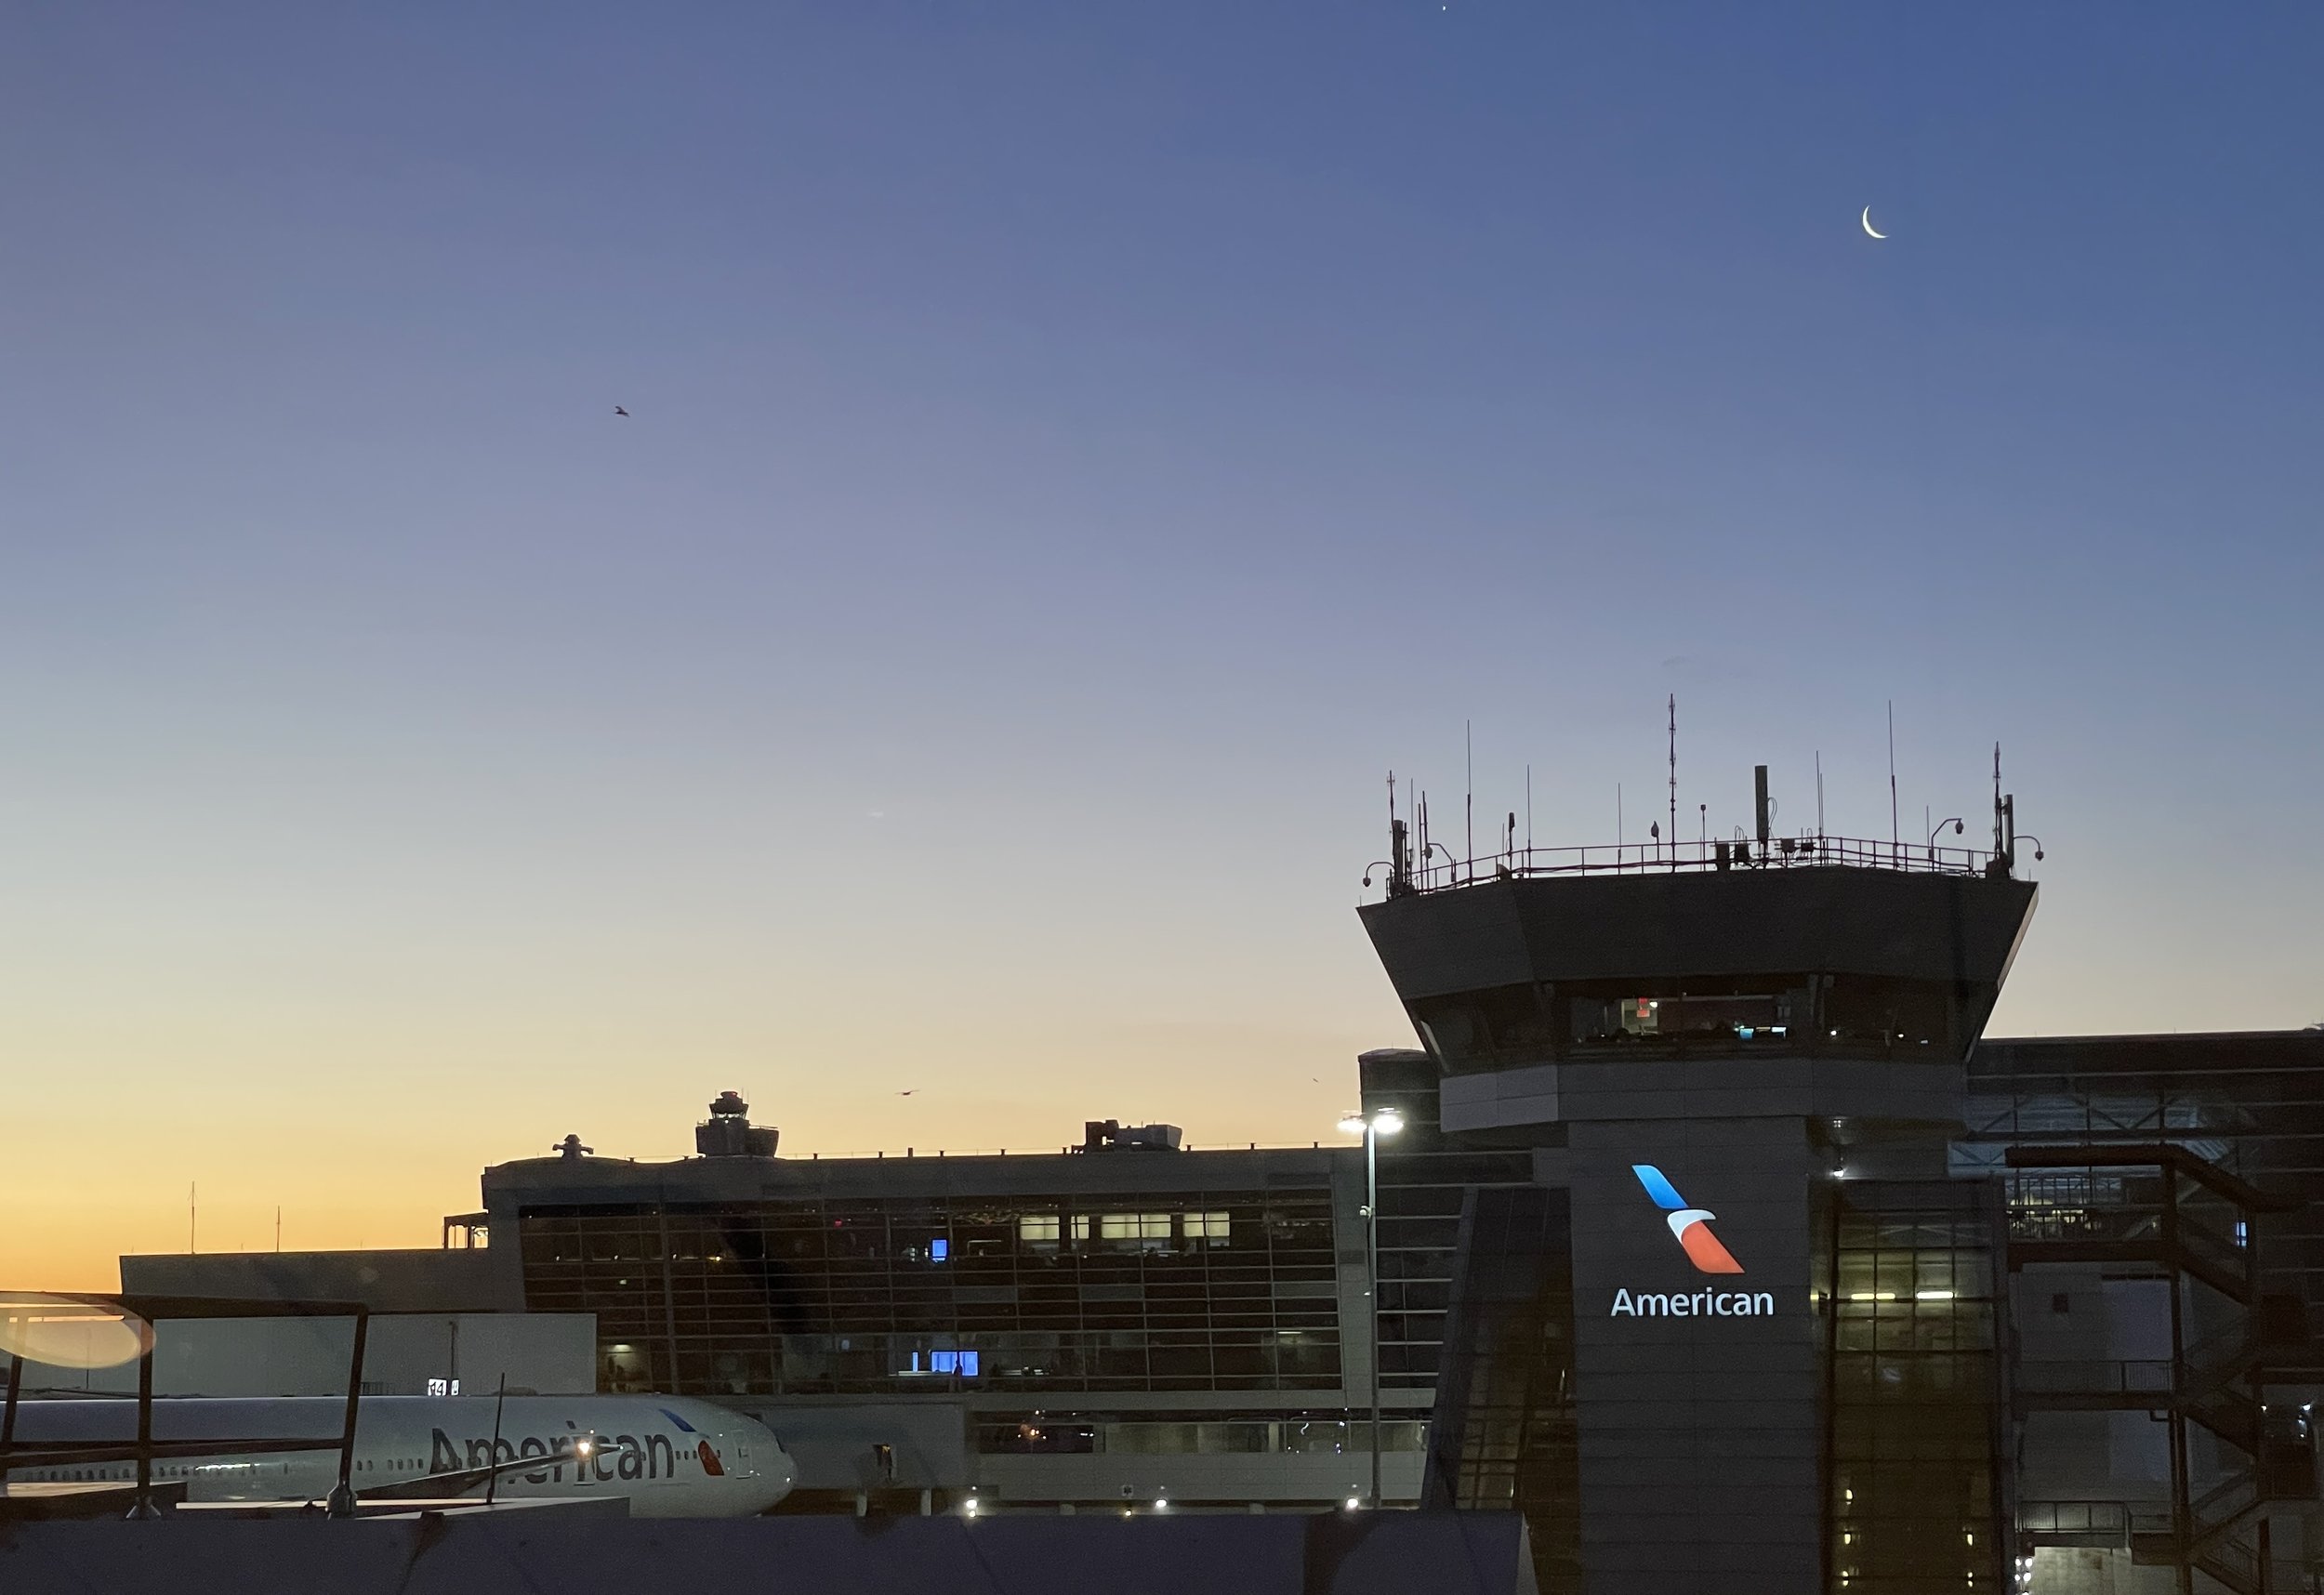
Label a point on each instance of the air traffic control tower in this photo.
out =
(1737, 1066)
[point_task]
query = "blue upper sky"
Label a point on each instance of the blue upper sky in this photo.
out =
(1074, 451)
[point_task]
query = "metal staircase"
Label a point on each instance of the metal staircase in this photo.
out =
(2160, 1210)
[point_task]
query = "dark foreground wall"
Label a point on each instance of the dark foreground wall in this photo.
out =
(1341, 1553)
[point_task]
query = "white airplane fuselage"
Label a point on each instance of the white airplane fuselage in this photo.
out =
(671, 1457)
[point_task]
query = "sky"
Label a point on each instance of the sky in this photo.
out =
(1074, 454)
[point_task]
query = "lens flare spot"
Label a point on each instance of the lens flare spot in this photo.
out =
(70, 1331)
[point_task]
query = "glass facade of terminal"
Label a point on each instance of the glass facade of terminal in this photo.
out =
(1424, 1179)
(2247, 1102)
(1916, 1390)
(1178, 1291)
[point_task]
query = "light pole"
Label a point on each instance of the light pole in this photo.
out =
(1371, 1127)
(1936, 832)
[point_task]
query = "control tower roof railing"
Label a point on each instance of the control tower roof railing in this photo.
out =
(1442, 872)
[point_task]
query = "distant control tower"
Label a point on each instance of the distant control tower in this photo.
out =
(1721, 1054)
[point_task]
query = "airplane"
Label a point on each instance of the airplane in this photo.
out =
(670, 1457)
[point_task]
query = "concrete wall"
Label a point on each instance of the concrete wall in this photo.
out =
(1908, 1090)
(411, 1279)
(553, 1353)
(2071, 1323)
(2073, 1570)
(1699, 1434)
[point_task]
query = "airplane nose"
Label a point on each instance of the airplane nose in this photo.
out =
(776, 1477)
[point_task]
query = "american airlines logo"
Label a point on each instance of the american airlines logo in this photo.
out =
(1691, 1227)
(626, 1458)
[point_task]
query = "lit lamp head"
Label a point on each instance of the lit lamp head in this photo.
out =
(1386, 1121)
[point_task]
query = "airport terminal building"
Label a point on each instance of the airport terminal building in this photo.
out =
(1716, 1239)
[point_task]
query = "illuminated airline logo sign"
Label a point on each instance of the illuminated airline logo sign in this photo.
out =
(1691, 1227)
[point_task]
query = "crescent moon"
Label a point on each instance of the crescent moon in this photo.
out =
(1868, 223)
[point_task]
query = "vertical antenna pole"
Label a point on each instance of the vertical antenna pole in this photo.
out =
(1819, 795)
(1617, 823)
(1896, 838)
(1469, 802)
(191, 1212)
(1996, 799)
(1674, 781)
(1528, 813)
(278, 1226)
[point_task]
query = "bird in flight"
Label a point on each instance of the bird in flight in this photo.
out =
(907, 1093)
(619, 411)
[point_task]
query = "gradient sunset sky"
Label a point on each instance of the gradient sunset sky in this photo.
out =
(1074, 452)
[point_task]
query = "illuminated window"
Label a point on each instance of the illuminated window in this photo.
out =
(1133, 1226)
(1207, 1227)
(1040, 1229)
(1135, 1232)
(1081, 1226)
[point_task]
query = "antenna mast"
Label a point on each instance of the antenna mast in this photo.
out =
(1469, 800)
(1674, 781)
(1996, 799)
(1896, 838)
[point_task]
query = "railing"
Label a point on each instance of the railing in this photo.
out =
(924, 1153)
(2109, 1225)
(2224, 1502)
(2226, 1350)
(1437, 870)
(2235, 1566)
(2087, 1523)
(2099, 1210)
(2094, 1376)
